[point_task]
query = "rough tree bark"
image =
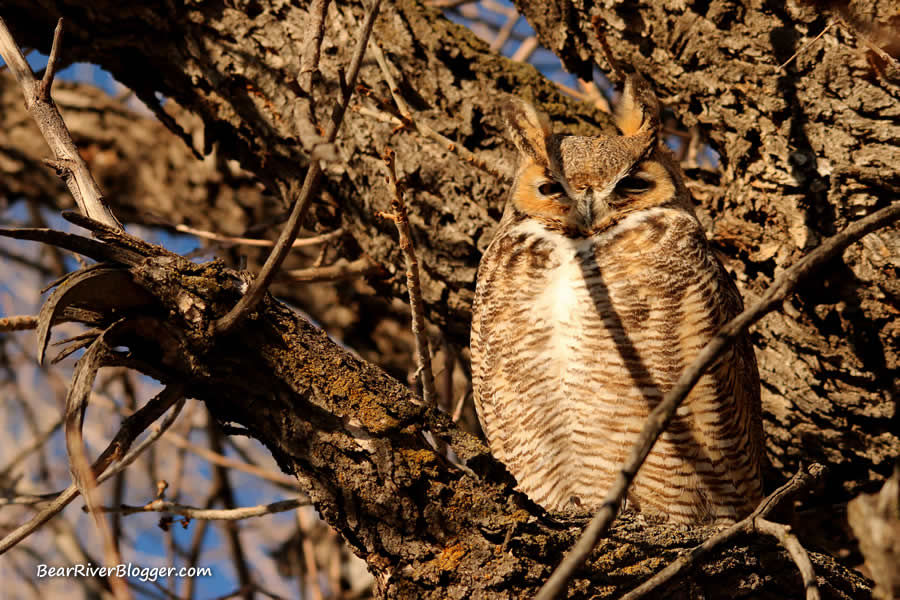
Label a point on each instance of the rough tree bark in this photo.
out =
(350, 432)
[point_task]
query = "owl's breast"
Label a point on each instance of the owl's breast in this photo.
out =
(575, 340)
(612, 306)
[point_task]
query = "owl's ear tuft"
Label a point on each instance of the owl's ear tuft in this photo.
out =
(529, 130)
(638, 110)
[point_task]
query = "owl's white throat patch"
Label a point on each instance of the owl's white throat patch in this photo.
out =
(563, 298)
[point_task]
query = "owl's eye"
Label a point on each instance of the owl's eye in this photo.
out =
(633, 185)
(551, 188)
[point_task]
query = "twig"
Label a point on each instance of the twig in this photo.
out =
(512, 17)
(855, 27)
(119, 483)
(448, 3)
(27, 262)
(222, 482)
(310, 62)
(43, 91)
(659, 418)
(36, 443)
(80, 466)
(312, 575)
(68, 161)
(789, 541)
(242, 241)
(401, 220)
(310, 187)
(457, 412)
(805, 46)
(525, 49)
(132, 427)
(217, 459)
(117, 468)
(423, 128)
(18, 323)
(593, 95)
(802, 480)
(446, 374)
(233, 514)
(577, 94)
(342, 269)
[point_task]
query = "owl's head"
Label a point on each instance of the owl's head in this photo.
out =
(583, 185)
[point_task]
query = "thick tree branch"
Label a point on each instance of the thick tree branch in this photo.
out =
(359, 424)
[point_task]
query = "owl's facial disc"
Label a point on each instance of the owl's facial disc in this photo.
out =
(609, 176)
(540, 193)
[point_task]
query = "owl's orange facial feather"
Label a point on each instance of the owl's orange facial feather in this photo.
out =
(648, 185)
(585, 210)
(538, 194)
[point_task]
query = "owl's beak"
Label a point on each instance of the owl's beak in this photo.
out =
(585, 210)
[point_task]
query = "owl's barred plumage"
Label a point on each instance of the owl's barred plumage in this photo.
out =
(597, 290)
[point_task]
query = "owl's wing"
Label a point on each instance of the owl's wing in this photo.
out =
(735, 438)
(479, 346)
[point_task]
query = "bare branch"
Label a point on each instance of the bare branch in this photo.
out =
(525, 49)
(342, 269)
(659, 418)
(232, 514)
(806, 46)
(18, 323)
(50, 71)
(68, 161)
(310, 187)
(219, 459)
(242, 241)
(29, 448)
(79, 465)
(512, 17)
(312, 574)
(309, 65)
(401, 220)
(310, 61)
(132, 427)
(221, 481)
(448, 3)
(789, 541)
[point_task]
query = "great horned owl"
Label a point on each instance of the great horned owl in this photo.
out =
(597, 290)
